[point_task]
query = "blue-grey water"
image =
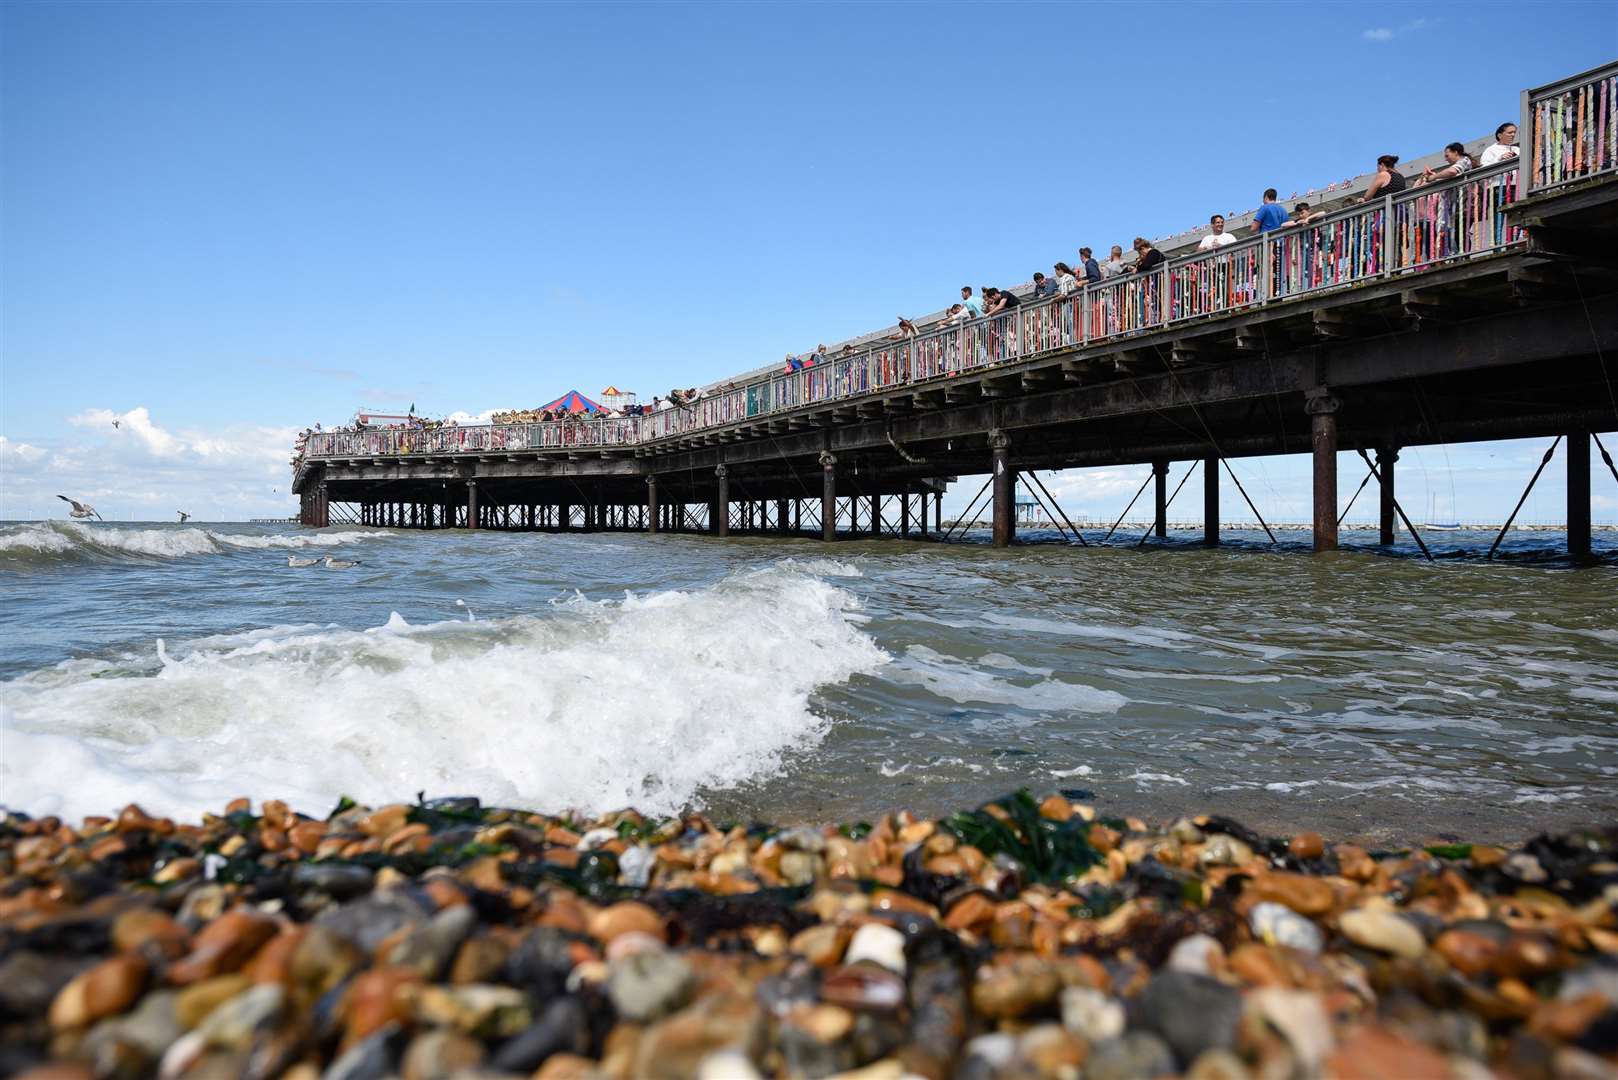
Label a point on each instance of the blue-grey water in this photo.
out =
(1359, 693)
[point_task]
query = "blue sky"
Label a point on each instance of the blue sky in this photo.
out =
(242, 218)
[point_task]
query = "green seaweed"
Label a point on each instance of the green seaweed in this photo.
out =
(642, 830)
(1049, 851)
(242, 822)
(437, 818)
(1451, 851)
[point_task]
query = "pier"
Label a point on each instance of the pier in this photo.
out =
(1481, 308)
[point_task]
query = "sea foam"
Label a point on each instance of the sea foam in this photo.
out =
(645, 701)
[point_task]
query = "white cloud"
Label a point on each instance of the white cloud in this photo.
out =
(142, 469)
(135, 424)
(19, 452)
(1388, 33)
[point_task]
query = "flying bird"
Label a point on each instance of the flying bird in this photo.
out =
(340, 564)
(184, 517)
(293, 560)
(115, 423)
(81, 510)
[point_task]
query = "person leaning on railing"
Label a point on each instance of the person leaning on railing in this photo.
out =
(1092, 269)
(999, 300)
(1387, 181)
(1457, 161)
(1303, 215)
(1147, 256)
(1066, 283)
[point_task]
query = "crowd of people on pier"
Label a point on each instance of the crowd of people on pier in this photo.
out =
(1065, 279)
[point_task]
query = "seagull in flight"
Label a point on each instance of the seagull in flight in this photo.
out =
(293, 560)
(116, 423)
(184, 517)
(81, 510)
(340, 564)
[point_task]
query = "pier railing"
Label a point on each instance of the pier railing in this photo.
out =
(1569, 129)
(1402, 234)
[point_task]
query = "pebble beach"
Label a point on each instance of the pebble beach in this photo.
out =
(1028, 937)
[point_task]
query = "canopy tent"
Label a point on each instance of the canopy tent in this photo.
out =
(572, 402)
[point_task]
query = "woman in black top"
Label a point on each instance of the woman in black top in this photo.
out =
(1147, 257)
(1387, 181)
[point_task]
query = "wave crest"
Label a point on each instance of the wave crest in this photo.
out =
(44, 543)
(646, 701)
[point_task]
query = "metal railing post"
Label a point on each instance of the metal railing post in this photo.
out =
(1264, 270)
(1525, 144)
(1388, 256)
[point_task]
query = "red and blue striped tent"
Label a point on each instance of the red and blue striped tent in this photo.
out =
(572, 402)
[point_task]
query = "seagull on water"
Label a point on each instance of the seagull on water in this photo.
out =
(184, 517)
(81, 510)
(293, 560)
(340, 564)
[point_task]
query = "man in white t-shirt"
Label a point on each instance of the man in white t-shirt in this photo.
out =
(1219, 237)
(1504, 148)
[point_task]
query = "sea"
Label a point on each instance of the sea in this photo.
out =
(1369, 695)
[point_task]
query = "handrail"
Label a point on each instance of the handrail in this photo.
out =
(1569, 129)
(1408, 232)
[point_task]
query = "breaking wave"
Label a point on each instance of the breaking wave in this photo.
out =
(44, 543)
(646, 701)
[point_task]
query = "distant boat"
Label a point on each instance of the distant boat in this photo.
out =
(1440, 526)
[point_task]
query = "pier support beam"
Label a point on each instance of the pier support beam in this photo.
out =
(1322, 409)
(1385, 457)
(1578, 495)
(651, 504)
(782, 524)
(1005, 489)
(1210, 501)
(876, 517)
(904, 515)
(828, 495)
(1160, 481)
(471, 504)
(720, 525)
(938, 511)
